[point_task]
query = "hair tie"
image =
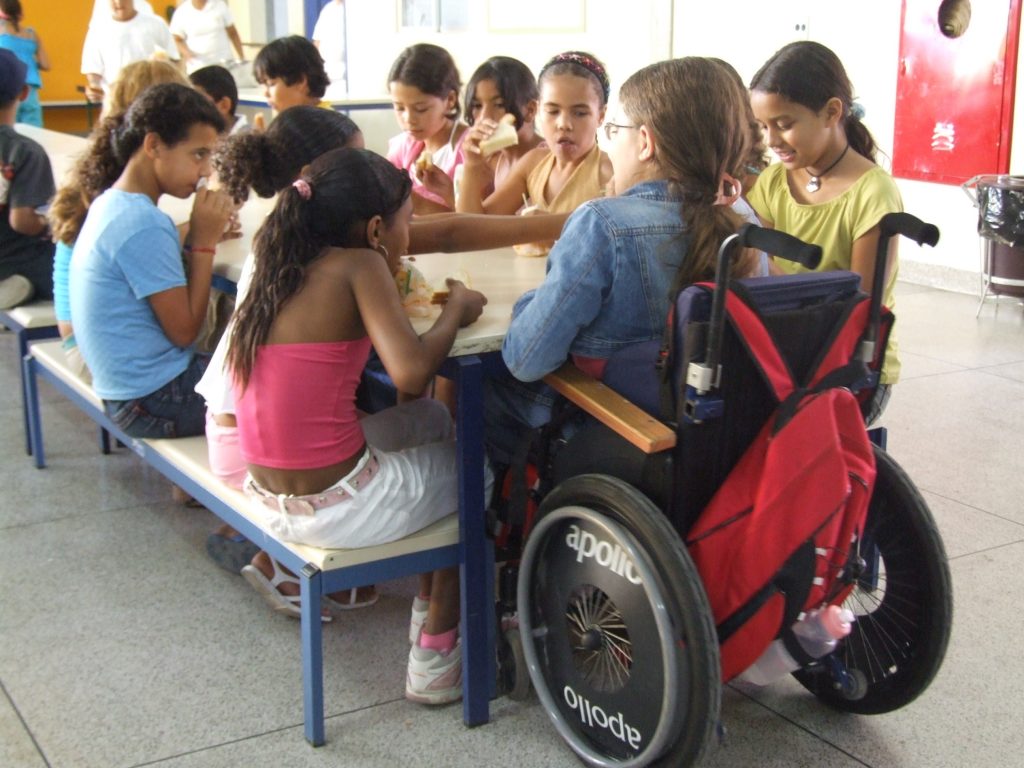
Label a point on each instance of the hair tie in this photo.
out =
(857, 111)
(588, 62)
(305, 191)
(729, 190)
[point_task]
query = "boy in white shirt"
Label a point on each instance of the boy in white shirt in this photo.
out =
(203, 30)
(126, 36)
(329, 38)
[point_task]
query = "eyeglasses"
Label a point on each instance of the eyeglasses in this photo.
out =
(608, 132)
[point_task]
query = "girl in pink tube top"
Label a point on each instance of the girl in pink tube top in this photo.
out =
(322, 292)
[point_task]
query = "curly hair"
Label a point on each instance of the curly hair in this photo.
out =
(269, 161)
(343, 190)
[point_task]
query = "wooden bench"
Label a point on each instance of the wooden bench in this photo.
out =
(29, 322)
(321, 571)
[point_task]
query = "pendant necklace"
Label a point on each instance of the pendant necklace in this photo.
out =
(814, 183)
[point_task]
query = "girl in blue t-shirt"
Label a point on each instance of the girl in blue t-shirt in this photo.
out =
(26, 45)
(138, 300)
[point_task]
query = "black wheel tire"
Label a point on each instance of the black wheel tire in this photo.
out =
(519, 675)
(629, 641)
(903, 623)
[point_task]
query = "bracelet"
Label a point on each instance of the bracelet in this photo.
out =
(193, 249)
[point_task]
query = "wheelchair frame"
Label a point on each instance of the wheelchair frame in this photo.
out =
(614, 626)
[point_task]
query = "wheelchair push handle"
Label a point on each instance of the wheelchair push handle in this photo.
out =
(910, 226)
(891, 225)
(704, 376)
(780, 244)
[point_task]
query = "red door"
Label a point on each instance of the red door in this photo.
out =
(954, 96)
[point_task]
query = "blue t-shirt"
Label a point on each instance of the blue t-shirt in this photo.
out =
(61, 267)
(127, 251)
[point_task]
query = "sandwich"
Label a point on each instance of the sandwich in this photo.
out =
(504, 136)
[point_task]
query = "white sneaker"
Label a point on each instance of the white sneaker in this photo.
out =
(418, 618)
(15, 290)
(433, 677)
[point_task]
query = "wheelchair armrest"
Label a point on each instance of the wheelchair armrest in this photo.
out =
(610, 408)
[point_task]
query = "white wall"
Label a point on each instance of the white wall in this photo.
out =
(630, 34)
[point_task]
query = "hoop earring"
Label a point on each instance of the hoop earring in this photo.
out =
(382, 250)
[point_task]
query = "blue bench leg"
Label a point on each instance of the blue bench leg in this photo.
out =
(33, 421)
(22, 351)
(477, 558)
(312, 655)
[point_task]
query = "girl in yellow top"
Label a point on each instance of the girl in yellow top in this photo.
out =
(571, 168)
(827, 189)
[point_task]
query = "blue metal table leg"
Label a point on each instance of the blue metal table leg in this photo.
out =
(476, 561)
(310, 579)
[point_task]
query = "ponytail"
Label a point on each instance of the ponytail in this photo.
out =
(860, 138)
(707, 225)
(269, 161)
(328, 207)
(94, 173)
(283, 247)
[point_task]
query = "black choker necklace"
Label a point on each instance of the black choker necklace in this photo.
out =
(814, 183)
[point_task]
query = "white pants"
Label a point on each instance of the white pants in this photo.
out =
(417, 484)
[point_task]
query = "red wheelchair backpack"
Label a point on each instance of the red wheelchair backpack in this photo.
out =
(780, 533)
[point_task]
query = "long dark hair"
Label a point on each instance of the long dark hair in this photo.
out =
(341, 191)
(809, 74)
(431, 69)
(695, 109)
(269, 161)
(513, 80)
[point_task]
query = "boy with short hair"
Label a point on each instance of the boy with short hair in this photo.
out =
(218, 85)
(26, 185)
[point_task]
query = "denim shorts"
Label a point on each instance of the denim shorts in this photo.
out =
(174, 410)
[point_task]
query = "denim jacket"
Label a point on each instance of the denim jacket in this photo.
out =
(607, 284)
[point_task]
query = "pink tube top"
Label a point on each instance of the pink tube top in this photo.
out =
(299, 408)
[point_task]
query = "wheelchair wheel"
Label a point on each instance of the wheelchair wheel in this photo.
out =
(617, 632)
(903, 603)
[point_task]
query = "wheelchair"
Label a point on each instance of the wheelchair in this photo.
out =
(605, 610)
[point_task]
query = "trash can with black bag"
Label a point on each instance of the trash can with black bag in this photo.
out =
(1000, 203)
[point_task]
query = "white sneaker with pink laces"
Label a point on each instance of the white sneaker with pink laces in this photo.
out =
(434, 677)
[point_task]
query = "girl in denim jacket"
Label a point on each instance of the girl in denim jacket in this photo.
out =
(679, 141)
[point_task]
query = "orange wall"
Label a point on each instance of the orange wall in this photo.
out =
(61, 26)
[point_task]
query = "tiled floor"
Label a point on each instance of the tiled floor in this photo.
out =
(122, 645)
